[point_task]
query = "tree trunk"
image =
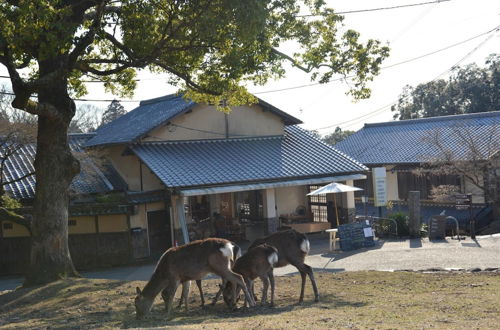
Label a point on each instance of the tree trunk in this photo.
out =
(55, 168)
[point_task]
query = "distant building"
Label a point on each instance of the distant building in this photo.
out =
(406, 145)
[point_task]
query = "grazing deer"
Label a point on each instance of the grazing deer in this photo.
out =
(186, 285)
(186, 263)
(257, 262)
(292, 249)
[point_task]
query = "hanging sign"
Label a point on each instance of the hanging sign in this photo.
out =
(379, 186)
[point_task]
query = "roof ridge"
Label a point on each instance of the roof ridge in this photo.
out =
(159, 99)
(435, 119)
(310, 134)
(250, 138)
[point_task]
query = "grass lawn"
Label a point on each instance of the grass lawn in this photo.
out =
(347, 300)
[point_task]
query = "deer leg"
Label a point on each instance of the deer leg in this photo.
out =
(168, 295)
(184, 295)
(249, 284)
(198, 283)
(236, 280)
(265, 286)
(185, 287)
(271, 279)
(252, 291)
(217, 296)
(307, 270)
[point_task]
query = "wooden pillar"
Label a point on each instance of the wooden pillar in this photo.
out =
(270, 213)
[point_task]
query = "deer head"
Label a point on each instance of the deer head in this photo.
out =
(142, 304)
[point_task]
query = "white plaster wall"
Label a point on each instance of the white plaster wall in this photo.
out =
(141, 219)
(288, 198)
(205, 122)
(127, 166)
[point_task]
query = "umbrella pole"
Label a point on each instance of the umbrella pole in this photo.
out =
(336, 210)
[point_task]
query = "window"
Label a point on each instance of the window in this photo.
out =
(318, 206)
(249, 205)
(7, 225)
(71, 222)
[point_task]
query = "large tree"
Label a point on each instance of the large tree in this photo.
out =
(114, 110)
(469, 89)
(337, 136)
(209, 48)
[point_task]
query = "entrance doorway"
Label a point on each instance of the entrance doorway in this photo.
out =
(159, 232)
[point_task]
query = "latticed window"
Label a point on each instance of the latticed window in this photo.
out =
(318, 206)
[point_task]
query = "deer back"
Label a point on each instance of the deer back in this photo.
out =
(292, 246)
(196, 259)
(258, 261)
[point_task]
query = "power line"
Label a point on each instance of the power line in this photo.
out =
(333, 80)
(381, 8)
(82, 100)
(388, 66)
(312, 84)
(378, 110)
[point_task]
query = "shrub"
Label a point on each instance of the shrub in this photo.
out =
(402, 221)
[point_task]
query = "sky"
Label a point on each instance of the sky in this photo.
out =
(410, 33)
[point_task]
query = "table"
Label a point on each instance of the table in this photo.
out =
(333, 238)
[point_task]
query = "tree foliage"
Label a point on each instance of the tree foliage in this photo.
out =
(112, 112)
(337, 136)
(469, 89)
(208, 48)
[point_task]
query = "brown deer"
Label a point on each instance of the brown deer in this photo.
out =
(257, 262)
(292, 249)
(186, 285)
(186, 263)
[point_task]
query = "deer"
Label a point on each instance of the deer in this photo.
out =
(257, 262)
(186, 285)
(292, 249)
(186, 263)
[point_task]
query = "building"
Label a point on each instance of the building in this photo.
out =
(407, 147)
(189, 171)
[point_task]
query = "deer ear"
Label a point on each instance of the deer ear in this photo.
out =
(137, 290)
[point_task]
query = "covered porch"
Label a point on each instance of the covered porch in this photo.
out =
(250, 211)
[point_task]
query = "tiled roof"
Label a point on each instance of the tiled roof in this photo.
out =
(138, 122)
(297, 154)
(409, 141)
(90, 180)
(153, 113)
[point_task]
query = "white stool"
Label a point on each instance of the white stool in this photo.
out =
(333, 238)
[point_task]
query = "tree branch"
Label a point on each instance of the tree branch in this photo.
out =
(9, 215)
(88, 38)
(291, 60)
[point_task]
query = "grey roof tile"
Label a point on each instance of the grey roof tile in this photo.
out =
(297, 154)
(90, 180)
(408, 141)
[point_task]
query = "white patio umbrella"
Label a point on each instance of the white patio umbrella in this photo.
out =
(334, 188)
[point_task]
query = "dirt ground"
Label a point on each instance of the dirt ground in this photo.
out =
(348, 300)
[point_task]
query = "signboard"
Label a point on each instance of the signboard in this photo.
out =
(463, 201)
(437, 227)
(379, 186)
(355, 235)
